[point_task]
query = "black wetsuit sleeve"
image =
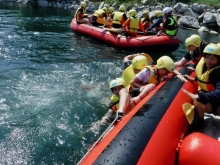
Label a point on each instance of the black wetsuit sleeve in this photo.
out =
(214, 96)
(188, 56)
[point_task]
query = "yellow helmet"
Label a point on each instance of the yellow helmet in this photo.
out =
(158, 13)
(122, 8)
(83, 4)
(146, 12)
(106, 5)
(194, 40)
(117, 82)
(112, 9)
(139, 62)
(212, 49)
(132, 13)
(165, 62)
(105, 9)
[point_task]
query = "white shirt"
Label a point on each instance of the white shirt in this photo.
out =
(144, 75)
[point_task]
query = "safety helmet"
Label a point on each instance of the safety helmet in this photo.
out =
(165, 62)
(132, 13)
(117, 82)
(158, 13)
(146, 12)
(105, 9)
(87, 1)
(112, 9)
(212, 48)
(194, 40)
(106, 5)
(83, 4)
(167, 10)
(122, 8)
(139, 62)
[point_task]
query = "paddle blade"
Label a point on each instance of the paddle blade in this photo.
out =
(114, 30)
(188, 110)
(128, 74)
(103, 21)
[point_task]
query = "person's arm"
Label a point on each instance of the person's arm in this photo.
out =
(124, 100)
(157, 23)
(126, 23)
(142, 77)
(181, 62)
(129, 57)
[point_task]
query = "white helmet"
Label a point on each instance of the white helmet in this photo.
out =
(167, 10)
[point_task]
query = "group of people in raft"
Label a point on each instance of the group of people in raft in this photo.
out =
(129, 25)
(206, 58)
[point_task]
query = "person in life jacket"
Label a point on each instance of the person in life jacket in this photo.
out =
(146, 80)
(132, 24)
(139, 62)
(194, 46)
(117, 86)
(119, 17)
(80, 13)
(155, 27)
(101, 13)
(207, 99)
(145, 20)
(169, 27)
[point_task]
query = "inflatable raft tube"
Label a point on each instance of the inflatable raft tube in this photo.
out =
(144, 43)
(149, 133)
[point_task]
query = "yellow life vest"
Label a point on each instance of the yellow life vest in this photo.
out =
(99, 13)
(133, 26)
(81, 14)
(153, 78)
(117, 18)
(203, 78)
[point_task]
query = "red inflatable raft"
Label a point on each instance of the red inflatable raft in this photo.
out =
(153, 132)
(140, 42)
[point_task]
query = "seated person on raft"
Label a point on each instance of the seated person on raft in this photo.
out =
(194, 46)
(206, 100)
(132, 24)
(100, 13)
(146, 80)
(119, 17)
(145, 20)
(80, 13)
(169, 27)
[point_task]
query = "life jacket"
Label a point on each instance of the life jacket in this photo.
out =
(133, 26)
(171, 28)
(118, 18)
(203, 78)
(114, 105)
(99, 13)
(81, 14)
(153, 78)
(147, 25)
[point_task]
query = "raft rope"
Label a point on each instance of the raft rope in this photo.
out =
(99, 139)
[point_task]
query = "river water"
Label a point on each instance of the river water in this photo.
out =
(54, 85)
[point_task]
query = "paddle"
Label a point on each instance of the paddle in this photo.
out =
(114, 30)
(188, 110)
(103, 21)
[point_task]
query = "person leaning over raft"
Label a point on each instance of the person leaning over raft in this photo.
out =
(194, 46)
(146, 80)
(119, 17)
(101, 13)
(132, 23)
(156, 25)
(169, 27)
(207, 99)
(117, 86)
(80, 13)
